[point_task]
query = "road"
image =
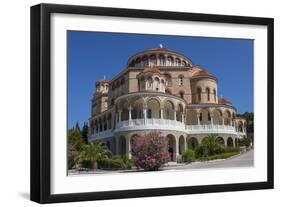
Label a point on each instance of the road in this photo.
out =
(244, 160)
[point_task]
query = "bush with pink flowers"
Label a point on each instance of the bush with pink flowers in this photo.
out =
(150, 151)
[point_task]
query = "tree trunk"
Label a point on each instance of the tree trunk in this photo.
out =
(94, 165)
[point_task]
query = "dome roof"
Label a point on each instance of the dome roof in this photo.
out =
(149, 58)
(203, 73)
(224, 101)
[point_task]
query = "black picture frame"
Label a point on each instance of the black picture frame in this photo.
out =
(41, 96)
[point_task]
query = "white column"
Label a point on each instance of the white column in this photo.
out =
(116, 120)
(222, 120)
(130, 113)
(128, 147)
(182, 117)
(119, 115)
(198, 118)
(144, 114)
(175, 115)
(177, 149)
(161, 113)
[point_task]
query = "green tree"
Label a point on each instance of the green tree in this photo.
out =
(74, 144)
(85, 132)
(93, 152)
(210, 145)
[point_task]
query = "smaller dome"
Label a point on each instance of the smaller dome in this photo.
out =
(151, 70)
(201, 73)
(224, 101)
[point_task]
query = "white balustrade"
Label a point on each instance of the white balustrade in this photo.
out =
(101, 135)
(165, 124)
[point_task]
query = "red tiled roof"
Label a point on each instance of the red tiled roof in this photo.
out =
(201, 73)
(224, 101)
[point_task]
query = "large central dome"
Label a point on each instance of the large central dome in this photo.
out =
(161, 57)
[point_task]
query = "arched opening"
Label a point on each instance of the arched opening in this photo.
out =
(180, 80)
(169, 110)
(122, 145)
(217, 118)
(220, 140)
(215, 95)
(162, 60)
(229, 142)
(145, 61)
(179, 112)
(227, 116)
(168, 79)
(240, 126)
(172, 147)
(152, 60)
(156, 83)
(182, 94)
(205, 117)
(153, 109)
(170, 61)
(208, 94)
(177, 62)
(181, 145)
(192, 143)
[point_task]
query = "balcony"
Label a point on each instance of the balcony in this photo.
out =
(166, 124)
(101, 135)
(207, 129)
(142, 124)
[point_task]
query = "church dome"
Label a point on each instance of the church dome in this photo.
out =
(160, 57)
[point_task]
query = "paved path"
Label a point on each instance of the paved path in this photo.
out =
(244, 160)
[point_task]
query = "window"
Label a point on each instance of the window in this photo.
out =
(199, 94)
(208, 94)
(215, 95)
(209, 116)
(162, 60)
(149, 113)
(180, 80)
(181, 94)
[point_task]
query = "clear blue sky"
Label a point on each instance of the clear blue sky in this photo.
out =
(93, 55)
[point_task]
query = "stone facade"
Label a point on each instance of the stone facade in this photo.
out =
(162, 90)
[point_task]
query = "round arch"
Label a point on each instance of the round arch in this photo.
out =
(220, 140)
(181, 144)
(229, 142)
(192, 143)
(169, 110)
(172, 148)
(122, 145)
(153, 108)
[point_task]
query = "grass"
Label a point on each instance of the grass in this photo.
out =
(218, 156)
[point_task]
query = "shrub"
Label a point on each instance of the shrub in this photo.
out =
(150, 151)
(231, 149)
(114, 164)
(127, 162)
(188, 156)
(201, 151)
(219, 156)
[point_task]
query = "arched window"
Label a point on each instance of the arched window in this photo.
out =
(162, 60)
(178, 62)
(152, 60)
(145, 61)
(168, 80)
(215, 95)
(180, 80)
(208, 94)
(181, 94)
(170, 61)
(199, 94)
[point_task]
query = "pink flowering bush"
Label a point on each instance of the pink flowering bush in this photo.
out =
(150, 151)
